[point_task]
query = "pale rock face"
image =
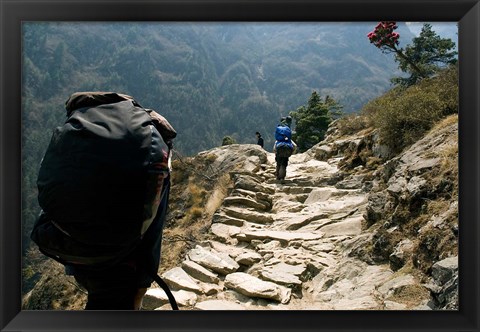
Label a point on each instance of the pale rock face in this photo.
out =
(199, 272)
(304, 244)
(254, 287)
(273, 240)
(217, 262)
(178, 278)
(218, 305)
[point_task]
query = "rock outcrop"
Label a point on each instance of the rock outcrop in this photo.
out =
(311, 242)
(340, 233)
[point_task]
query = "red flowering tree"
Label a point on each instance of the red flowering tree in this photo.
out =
(384, 37)
(423, 58)
(387, 40)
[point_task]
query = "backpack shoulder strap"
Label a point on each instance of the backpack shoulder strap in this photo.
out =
(166, 289)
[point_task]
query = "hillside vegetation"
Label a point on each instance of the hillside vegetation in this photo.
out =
(396, 124)
(400, 152)
(209, 80)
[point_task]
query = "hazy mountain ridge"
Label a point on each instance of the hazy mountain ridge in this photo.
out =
(210, 80)
(225, 77)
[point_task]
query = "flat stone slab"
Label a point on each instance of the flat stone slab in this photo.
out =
(250, 184)
(218, 305)
(224, 219)
(297, 221)
(233, 251)
(319, 195)
(390, 286)
(199, 272)
(319, 247)
(156, 297)
(178, 278)
(364, 303)
(283, 274)
(282, 236)
(185, 298)
(210, 289)
(248, 258)
(374, 275)
(421, 164)
(254, 287)
(224, 232)
(248, 215)
(244, 201)
(210, 259)
(350, 226)
(339, 204)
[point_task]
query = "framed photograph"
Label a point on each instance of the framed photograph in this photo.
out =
(23, 21)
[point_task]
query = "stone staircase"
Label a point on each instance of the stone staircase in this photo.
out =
(285, 246)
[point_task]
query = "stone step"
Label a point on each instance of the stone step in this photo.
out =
(177, 278)
(199, 272)
(218, 305)
(222, 218)
(351, 226)
(254, 287)
(248, 215)
(156, 297)
(251, 184)
(247, 202)
(282, 236)
(215, 261)
(284, 274)
(225, 233)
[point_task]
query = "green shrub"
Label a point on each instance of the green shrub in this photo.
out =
(352, 123)
(228, 140)
(404, 115)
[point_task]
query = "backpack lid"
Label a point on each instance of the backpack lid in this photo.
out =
(163, 126)
(283, 133)
(92, 99)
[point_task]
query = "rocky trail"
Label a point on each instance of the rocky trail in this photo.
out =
(353, 227)
(286, 246)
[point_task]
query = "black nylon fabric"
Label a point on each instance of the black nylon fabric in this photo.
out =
(104, 187)
(92, 99)
(284, 151)
(94, 175)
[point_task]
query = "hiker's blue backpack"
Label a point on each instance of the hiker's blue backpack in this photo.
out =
(283, 133)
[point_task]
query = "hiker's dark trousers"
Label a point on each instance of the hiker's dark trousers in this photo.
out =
(281, 161)
(112, 289)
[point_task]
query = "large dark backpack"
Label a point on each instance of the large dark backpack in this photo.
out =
(283, 133)
(284, 149)
(101, 181)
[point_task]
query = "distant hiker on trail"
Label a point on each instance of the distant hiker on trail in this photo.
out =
(283, 148)
(259, 139)
(288, 121)
(103, 187)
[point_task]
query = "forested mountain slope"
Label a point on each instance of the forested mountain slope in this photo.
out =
(208, 79)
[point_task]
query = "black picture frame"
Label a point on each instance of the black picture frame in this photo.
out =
(14, 12)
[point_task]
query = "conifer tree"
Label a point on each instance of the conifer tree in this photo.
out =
(312, 120)
(423, 58)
